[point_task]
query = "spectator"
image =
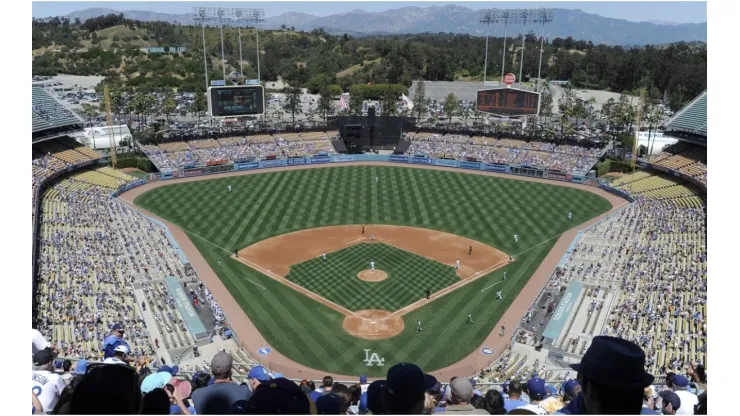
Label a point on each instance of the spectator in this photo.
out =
(404, 390)
(257, 375)
(701, 408)
(67, 375)
(326, 387)
(495, 402)
(648, 403)
(156, 402)
(363, 383)
(462, 392)
(344, 395)
(698, 375)
(107, 389)
(222, 396)
(64, 403)
(113, 340)
(329, 404)
(37, 407)
(515, 393)
(570, 389)
(478, 402)
(536, 391)
(47, 385)
(355, 393)
(200, 380)
(38, 342)
(429, 404)
(612, 375)
(278, 396)
(670, 402)
(679, 384)
(179, 391)
(375, 397)
(119, 355)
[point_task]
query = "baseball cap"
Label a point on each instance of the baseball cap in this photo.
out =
(259, 373)
(462, 389)
(278, 396)
(81, 368)
(680, 380)
(43, 357)
(363, 379)
(550, 390)
(328, 404)
(172, 370)
(221, 363)
(404, 388)
(431, 383)
(670, 397)
(155, 381)
(122, 348)
(118, 327)
(375, 397)
(568, 386)
(536, 388)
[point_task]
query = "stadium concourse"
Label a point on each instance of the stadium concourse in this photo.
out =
(105, 274)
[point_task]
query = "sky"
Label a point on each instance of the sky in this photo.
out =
(638, 11)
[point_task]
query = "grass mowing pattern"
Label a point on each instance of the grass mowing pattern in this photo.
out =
(483, 208)
(409, 276)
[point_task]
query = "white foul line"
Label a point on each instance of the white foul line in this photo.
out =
(489, 287)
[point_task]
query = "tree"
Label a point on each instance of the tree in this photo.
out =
(450, 106)
(389, 103)
(355, 103)
(420, 101)
(293, 102)
(325, 103)
(545, 99)
(565, 105)
(169, 105)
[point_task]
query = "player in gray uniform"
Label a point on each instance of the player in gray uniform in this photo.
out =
(418, 326)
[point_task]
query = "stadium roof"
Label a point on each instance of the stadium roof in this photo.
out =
(692, 118)
(49, 113)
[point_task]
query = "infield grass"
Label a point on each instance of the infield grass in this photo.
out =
(488, 209)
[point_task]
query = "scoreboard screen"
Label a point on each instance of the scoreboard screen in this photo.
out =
(236, 101)
(508, 102)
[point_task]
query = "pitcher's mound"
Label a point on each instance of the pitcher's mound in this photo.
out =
(372, 275)
(373, 324)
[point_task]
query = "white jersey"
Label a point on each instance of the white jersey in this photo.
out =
(38, 342)
(48, 387)
(537, 409)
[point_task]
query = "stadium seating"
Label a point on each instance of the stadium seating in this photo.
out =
(48, 112)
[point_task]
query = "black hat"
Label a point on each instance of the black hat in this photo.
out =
(404, 389)
(614, 362)
(43, 357)
(278, 396)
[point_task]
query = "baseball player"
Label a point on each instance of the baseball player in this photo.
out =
(372, 237)
(429, 294)
(503, 330)
(516, 238)
(236, 252)
(372, 265)
(229, 188)
(323, 256)
(376, 179)
(418, 326)
(498, 294)
(363, 230)
(504, 275)
(470, 318)
(470, 250)
(219, 264)
(570, 215)
(457, 264)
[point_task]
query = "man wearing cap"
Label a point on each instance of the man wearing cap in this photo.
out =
(679, 384)
(45, 384)
(119, 356)
(256, 376)
(114, 340)
(222, 395)
(612, 378)
(403, 393)
(671, 403)
(278, 396)
(363, 384)
(462, 392)
(536, 391)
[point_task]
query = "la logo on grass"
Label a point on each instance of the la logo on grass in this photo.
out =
(373, 359)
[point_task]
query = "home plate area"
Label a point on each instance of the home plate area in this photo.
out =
(373, 324)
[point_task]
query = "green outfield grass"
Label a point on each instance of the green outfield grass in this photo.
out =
(486, 209)
(409, 276)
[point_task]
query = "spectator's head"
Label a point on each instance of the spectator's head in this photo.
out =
(536, 389)
(107, 389)
(278, 396)
(43, 360)
(570, 388)
(404, 390)
(221, 366)
(431, 384)
(429, 403)
(67, 365)
(121, 352)
(462, 390)
(118, 330)
(257, 375)
(156, 402)
(201, 380)
(375, 397)
(155, 381)
(495, 402)
(363, 379)
(312, 385)
(327, 383)
(612, 375)
(329, 404)
(699, 373)
(80, 368)
(515, 390)
(478, 402)
(345, 397)
(679, 382)
(355, 391)
(671, 402)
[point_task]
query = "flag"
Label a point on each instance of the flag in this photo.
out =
(344, 101)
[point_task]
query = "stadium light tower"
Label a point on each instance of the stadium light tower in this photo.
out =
(487, 17)
(505, 16)
(524, 15)
(543, 16)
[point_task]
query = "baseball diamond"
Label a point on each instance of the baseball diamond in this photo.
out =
(307, 332)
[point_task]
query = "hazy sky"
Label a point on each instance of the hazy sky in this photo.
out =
(681, 12)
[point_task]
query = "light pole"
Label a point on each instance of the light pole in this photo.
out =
(543, 16)
(487, 17)
(524, 15)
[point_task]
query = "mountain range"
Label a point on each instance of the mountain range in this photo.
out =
(456, 19)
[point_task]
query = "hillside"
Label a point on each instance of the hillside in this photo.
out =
(111, 46)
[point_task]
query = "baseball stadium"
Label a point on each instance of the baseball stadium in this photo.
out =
(343, 249)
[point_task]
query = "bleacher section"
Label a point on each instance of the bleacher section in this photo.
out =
(48, 112)
(659, 187)
(687, 158)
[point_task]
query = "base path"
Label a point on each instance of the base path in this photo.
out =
(376, 275)
(252, 340)
(373, 324)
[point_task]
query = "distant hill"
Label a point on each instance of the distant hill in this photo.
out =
(456, 19)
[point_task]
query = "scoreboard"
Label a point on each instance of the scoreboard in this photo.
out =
(236, 101)
(510, 102)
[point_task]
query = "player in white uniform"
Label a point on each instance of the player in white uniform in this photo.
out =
(504, 275)
(372, 237)
(570, 215)
(45, 384)
(376, 179)
(499, 295)
(516, 238)
(470, 318)
(323, 256)
(457, 264)
(229, 188)
(372, 265)
(119, 354)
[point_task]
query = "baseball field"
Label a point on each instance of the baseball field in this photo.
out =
(265, 239)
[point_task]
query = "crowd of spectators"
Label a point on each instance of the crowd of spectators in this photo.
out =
(542, 155)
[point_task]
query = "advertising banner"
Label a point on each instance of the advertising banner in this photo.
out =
(194, 172)
(320, 159)
(248, 165)
(559, 176)
(563, 310)
(274, 163)
(343, 158)
(446, 162)
(421, 160)
(470, 165)
(297, 161)
(495, 167)
(168, 174)
(396, 158)
(184, 305)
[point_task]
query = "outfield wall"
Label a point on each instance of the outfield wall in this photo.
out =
(400, 159)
